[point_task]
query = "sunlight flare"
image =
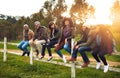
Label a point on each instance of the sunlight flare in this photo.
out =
(102, 11)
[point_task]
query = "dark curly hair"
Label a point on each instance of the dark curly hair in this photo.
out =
(68, 19)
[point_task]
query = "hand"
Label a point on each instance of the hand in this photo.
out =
(76, 47)
(65, 40)
(48, 40)
(56, 44)
(75, 43)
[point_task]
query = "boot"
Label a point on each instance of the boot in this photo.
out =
(72, 59)
(85, 64)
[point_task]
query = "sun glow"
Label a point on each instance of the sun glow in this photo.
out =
(102, 11)
(69, 5)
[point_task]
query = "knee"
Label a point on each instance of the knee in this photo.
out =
(65, 47)
(80, 50)
(101, 55)
(18, 46)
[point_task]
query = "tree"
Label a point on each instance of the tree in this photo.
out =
(115, 15)
(80, 11)
(53, 9)
(115, 12)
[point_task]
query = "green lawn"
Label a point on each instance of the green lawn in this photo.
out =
(19, 67)
(114, 58)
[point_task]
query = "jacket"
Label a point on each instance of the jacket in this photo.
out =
(91, 41)
(41, 33)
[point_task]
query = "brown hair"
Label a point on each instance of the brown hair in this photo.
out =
(50, 24)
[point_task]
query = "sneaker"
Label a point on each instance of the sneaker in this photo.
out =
(41, 57)
(106, 67)
(64, 59)
(85, 64)
(23, 53)
(28, 53)
(72, 59)
(49, 59)
(98, 65)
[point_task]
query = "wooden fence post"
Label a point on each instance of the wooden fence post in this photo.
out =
(72, 63)
(5, 49)
(31, 56)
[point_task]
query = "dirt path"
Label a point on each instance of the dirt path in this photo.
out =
(55, 56)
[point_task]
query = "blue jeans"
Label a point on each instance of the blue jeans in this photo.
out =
(67, 48)
(23, 45)
(83, 54)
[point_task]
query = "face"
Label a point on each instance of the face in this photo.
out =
(67, 22)
(36, 25)
(84, 28)
(52, 26)
(25, 27)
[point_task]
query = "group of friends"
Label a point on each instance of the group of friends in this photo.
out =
(96, 39)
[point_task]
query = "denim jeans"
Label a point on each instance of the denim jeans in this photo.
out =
(67, 48)
(48, 46)
(23, 45)
(82, 52)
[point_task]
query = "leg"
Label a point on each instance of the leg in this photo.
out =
(84, 56)
(74, 55)
(67, 48)
(39, 44)
(106, 66)
(24, 47)
(95, 55)
(58, 48)
(43, 50)
(102, 57)
(20, 45)
(49, 45)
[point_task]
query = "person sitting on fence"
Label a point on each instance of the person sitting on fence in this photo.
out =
(67, 33)
(105, 45)
(40, 37)
(54, 36)
(27, 35)
(88, 45)
(84, 37)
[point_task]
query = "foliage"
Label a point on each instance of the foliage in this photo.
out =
(80, 11)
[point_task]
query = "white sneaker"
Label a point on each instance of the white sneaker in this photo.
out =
(49, 59)
(98, 65)
(64, 59)
(106, 67)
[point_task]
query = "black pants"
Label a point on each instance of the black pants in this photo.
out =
(48, 46)
(101, 56)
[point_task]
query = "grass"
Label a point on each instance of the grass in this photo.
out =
(9, 46)
(19, 67)
(114, 58)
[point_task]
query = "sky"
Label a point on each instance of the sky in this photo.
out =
(23, 7)
(20, 7)
(29, 7)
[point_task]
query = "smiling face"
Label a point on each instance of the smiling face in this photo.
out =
(67, 22)
(84, 28)
(53, 26)
(25, 27)
(37, 24)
